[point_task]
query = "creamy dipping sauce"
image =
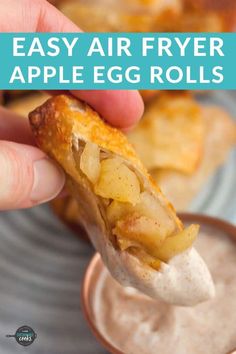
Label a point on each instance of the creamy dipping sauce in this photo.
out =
(135, 323)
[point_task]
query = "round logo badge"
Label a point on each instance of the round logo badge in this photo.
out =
(24, 335)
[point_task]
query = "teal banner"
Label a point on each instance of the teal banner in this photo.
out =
(172, 61)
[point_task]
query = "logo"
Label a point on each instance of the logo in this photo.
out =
(24, 335)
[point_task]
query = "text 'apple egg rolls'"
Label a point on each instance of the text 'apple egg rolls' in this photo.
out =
(127, 218)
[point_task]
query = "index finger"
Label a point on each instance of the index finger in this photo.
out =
(120, 108)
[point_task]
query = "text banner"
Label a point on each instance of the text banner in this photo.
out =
(159, 61)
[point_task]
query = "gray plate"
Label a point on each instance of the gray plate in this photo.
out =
(42, 265)
(218, 197)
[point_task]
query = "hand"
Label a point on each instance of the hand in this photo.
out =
(28, 177)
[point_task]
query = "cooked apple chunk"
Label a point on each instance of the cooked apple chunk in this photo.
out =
(118, 182)
(179, 243)
(117, 211)
(147, 206)
(90, 161)
(140, 231)
(145, 233)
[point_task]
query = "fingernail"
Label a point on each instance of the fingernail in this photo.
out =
(49, 180)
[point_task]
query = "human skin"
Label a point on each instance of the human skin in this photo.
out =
(28, 177)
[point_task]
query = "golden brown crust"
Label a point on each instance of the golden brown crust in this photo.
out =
(122, 15)
(1, 97)
(171, 133)
(152, 16)
(61, 118)
(220, 138)
(148, 95)
(219, 5)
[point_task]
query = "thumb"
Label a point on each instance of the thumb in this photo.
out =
(27, 176)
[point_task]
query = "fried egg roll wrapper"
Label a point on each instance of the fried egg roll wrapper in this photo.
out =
(69, 131)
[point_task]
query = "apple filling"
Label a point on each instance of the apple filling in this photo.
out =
(139, 223)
